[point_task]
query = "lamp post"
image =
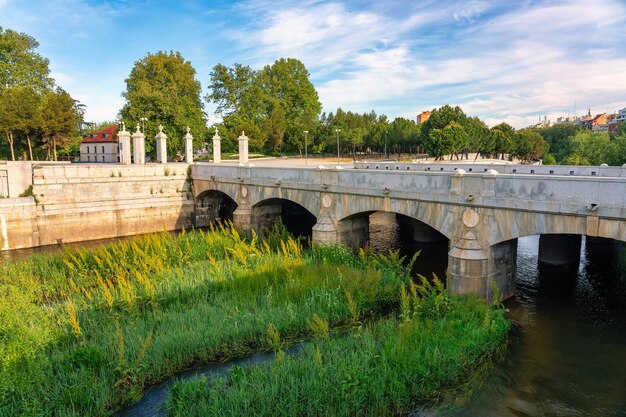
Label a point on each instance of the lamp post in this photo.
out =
(306, 151)
(143, 124)
(337, 132)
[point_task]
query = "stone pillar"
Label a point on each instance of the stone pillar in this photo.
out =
(217, 148)
(161, 146)
(123, 140)
(325, 230)
(559, 250)
(188, 147)
(243, 148)
(468, 267)
(242, 216)
(139, 147)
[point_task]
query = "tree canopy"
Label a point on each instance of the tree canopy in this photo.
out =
(274, 105)
(163, 89)
(34, 116)
(20, 65)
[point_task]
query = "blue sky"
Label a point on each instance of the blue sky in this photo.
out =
(500, 60)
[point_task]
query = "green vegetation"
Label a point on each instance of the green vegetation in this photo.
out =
(385, 368)
(83, 332)
(572, 145)
(162, 88)
(35, 116)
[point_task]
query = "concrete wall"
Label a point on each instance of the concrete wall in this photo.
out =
(15, 178)
(86, 202)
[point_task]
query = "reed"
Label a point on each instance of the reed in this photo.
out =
(391, 367)
(139, 312)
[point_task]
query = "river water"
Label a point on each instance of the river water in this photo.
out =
(567, 353)
(567, 350)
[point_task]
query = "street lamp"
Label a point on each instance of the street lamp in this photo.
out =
(306, 151)
(337, 132)
(143, 124)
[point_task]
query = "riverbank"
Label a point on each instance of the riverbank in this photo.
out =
(83, 332)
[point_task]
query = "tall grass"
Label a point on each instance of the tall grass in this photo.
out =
(83, 332)
(384, 369)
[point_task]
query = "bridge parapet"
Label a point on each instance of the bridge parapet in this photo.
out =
(567, 170)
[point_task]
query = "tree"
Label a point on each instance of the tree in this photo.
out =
(162, 88)
(591, 148)
(279, 99)
(20, 113)
(20, 65)
(559, 138)
(502, 137)
(286, 83)
(438, 142)
(529, 145)
(61, 119)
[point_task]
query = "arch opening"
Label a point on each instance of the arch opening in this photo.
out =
(382, 231)
(213, 207)
(297, 219)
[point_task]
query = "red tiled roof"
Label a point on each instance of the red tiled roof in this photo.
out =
(108, 134)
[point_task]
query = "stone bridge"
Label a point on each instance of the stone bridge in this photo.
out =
(480, 213)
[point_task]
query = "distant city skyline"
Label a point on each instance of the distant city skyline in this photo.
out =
(501, 60)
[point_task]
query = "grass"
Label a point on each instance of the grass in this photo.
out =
(386, 368)
(83, 332)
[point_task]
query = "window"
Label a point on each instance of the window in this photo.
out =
(87, 149)
(103, 158)
(88, 158)
(103, 149)
(95, 149)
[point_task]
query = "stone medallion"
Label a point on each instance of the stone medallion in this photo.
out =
(471, 218)
(327, 201)
(244, 192)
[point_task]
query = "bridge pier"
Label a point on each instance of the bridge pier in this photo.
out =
(467, 267)
(559, 250)
(325, 231)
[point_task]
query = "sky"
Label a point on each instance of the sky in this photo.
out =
(501, 60)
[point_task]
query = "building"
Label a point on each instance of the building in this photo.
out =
(621, 118)
(100, 146)
(423, 116)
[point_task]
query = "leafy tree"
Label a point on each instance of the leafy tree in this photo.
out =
(529, 145)
(502, 136)
(20, 114)
(559, 138)
(440, 143)
(479, 138)
(20, 65)
(591, 148)
(279, 99)
(162, 88)
(61, 119)
(286, 83)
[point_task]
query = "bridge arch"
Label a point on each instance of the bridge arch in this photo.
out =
(213, 206)
(436, 216)
(298, 220)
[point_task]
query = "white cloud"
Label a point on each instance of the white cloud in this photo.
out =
(533, 59)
